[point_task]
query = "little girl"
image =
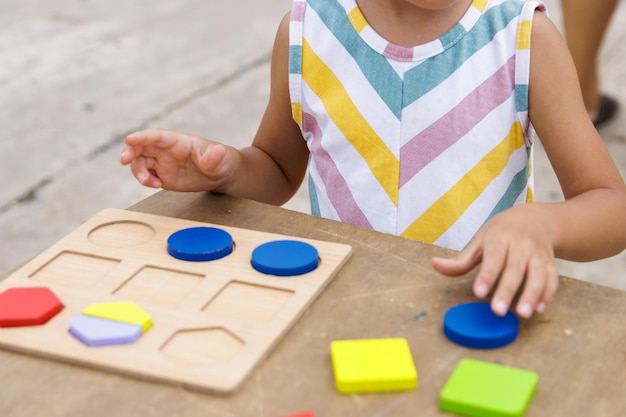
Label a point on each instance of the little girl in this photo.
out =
(417, 118)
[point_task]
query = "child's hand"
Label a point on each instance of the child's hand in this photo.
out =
(165, 159)
(514, 246)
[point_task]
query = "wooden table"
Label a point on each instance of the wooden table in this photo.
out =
(386, 289)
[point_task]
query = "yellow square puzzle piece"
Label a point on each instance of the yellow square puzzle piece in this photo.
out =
(373, 365)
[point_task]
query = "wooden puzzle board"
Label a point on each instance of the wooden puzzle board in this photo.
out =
(213, 322)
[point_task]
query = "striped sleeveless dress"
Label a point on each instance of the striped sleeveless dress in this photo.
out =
(427, 142)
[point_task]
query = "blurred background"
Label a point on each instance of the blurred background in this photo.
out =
(76, 76)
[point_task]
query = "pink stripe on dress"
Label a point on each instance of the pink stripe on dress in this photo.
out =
(399, 53)
(336, 187)
(297, 11)
(445, 132)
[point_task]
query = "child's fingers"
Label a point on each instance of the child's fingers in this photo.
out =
(463, 262)
(136, 138)
(161, 138)
(128, 155)
(142, 172)
(511, 278)
(494, 260)
(213, 158)
(549, 290)
(537, 277)
(139, 170)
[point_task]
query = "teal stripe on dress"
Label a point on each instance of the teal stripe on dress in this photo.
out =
(452, 36)
(383, 78)
(429, 75)
(521, 97)
(518, 185)
(295, 59)
(315, 205)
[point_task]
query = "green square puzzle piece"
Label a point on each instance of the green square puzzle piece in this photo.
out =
(373, 365)
(483, 389)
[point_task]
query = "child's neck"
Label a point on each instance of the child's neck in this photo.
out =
(406, 24)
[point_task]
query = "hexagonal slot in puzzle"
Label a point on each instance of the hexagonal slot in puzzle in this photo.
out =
(161, 286)
(28, 306)
(197, 347)
(75, 270)
(249, 302)
(121, 234)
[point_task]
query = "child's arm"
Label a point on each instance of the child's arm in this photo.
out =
(518, 246)
(270, 170)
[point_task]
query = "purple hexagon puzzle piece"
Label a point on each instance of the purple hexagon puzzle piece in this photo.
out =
(94, 331)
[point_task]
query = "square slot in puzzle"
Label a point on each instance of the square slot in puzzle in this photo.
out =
(212, 322)
(166, 287)
(72, 269)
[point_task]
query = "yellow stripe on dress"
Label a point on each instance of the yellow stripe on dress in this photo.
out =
(339, 106)
(530, 193)
(296, 111)
(357, 19)
(481, 5)
(448, 209)
(523, 35)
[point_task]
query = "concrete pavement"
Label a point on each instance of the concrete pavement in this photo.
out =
(76, 76)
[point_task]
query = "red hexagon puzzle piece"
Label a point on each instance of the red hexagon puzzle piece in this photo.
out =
(28, 306)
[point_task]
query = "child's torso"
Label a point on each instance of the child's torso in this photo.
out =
(427, 142)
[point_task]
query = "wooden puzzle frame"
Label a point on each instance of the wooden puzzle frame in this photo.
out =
(214, 321)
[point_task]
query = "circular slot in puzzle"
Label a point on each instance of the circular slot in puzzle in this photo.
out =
(198, 244)
(121, 234)
(285, 258)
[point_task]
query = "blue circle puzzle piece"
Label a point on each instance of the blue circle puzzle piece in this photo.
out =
(475, 325)
(94, 331)
(285, 258)
(200, 244)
